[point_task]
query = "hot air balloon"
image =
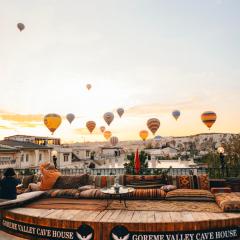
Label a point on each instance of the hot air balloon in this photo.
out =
(176, 114)
(20, 26)
(120, 111)
(52, 121)
(90, 126)
(107, 134)
(153, 125)
(70, 117)
(209, 118)
(143, 134)
(114, 141)
(108, 117)
(102, 128)
(88, 86)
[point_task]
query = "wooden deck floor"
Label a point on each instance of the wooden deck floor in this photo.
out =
(102, 221)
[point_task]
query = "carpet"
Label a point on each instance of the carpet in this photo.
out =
(132, 205)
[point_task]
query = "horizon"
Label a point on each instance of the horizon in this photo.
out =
(149, 59)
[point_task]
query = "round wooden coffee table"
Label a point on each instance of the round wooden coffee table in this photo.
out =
(123, 193)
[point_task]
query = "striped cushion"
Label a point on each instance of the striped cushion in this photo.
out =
(148, 194)
(62, 193)
(228, 202)
(105, 181)
(190, 195)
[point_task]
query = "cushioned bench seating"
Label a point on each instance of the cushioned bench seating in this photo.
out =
(228, 202)
(21, 199)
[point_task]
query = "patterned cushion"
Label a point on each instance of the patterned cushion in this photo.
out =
(86, 187)
(67, 182)
(145, 181)
(190, 181)
(168, 188)
(203, 182)
(62, 193)
(190, 195)
(215, 190)
(228, 202)
(104, 181)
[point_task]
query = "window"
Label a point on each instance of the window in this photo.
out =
(22, 157)
(65, 157)
(87, 153)
(40, 157)
(27, 157)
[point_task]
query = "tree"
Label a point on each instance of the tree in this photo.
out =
(130, 167)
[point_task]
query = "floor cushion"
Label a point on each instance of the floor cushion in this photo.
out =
(21, 199)
(190, 195)
(228, 202)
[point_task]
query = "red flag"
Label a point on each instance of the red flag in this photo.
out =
(137, 162)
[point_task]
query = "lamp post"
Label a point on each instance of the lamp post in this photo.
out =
(54, 157)
(221, 157)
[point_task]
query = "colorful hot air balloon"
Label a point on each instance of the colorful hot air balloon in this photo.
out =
(209, 118)
(107, 134)
(88, 86)
(20, 26)
(114, 141)
(52, 121)
(143, 134)
(90, 126)
(102, 128)
(176, 114)
(120, 111)
(70, 117)
(153, 125)
(108, 117)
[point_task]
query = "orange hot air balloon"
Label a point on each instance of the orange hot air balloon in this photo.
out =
(88, 86)
(107, 134)
(108, 117)
(120, 111)
(102, 128)
(209, 118)
(20, 26)
(52, 121)
(153, 125)
(90, 126)
(143, 134)
(114, 141)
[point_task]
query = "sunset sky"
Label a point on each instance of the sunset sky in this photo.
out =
(148, 56)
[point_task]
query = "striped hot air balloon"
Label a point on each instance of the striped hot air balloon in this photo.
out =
(143, 134)
(120, 111)
(209, 118)
(108, 117)
(176, 114)
(90, 126)
(52, 121)
(107, 134)
(102, 128)
(114, 141)
(153, 125)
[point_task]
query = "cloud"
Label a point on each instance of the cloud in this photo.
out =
(84, 131)
(22, 118)
(28, 124)
(159, 108)
(6, 128)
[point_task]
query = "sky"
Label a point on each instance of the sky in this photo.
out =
(148, 56)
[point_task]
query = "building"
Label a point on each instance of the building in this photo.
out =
(19, 154)
(35, 139)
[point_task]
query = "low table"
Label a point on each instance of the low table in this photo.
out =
(123, 193)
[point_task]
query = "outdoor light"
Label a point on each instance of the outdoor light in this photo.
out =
(220, 150)
(54, 153)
